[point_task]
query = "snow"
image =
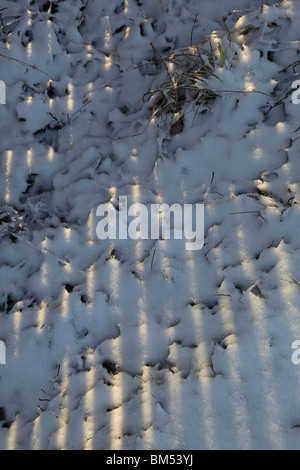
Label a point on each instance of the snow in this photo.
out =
(141, 344)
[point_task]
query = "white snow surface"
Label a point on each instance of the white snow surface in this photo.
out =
(123, 344)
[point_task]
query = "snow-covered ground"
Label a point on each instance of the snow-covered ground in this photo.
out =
(123, 344)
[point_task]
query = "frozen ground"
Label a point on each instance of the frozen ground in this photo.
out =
(142, 344)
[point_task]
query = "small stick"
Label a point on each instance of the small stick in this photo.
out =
(163, 60)
(192, 32)
(24, 63)
(246, 212)
(152, 259)
(247, 92)
(83, 11)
